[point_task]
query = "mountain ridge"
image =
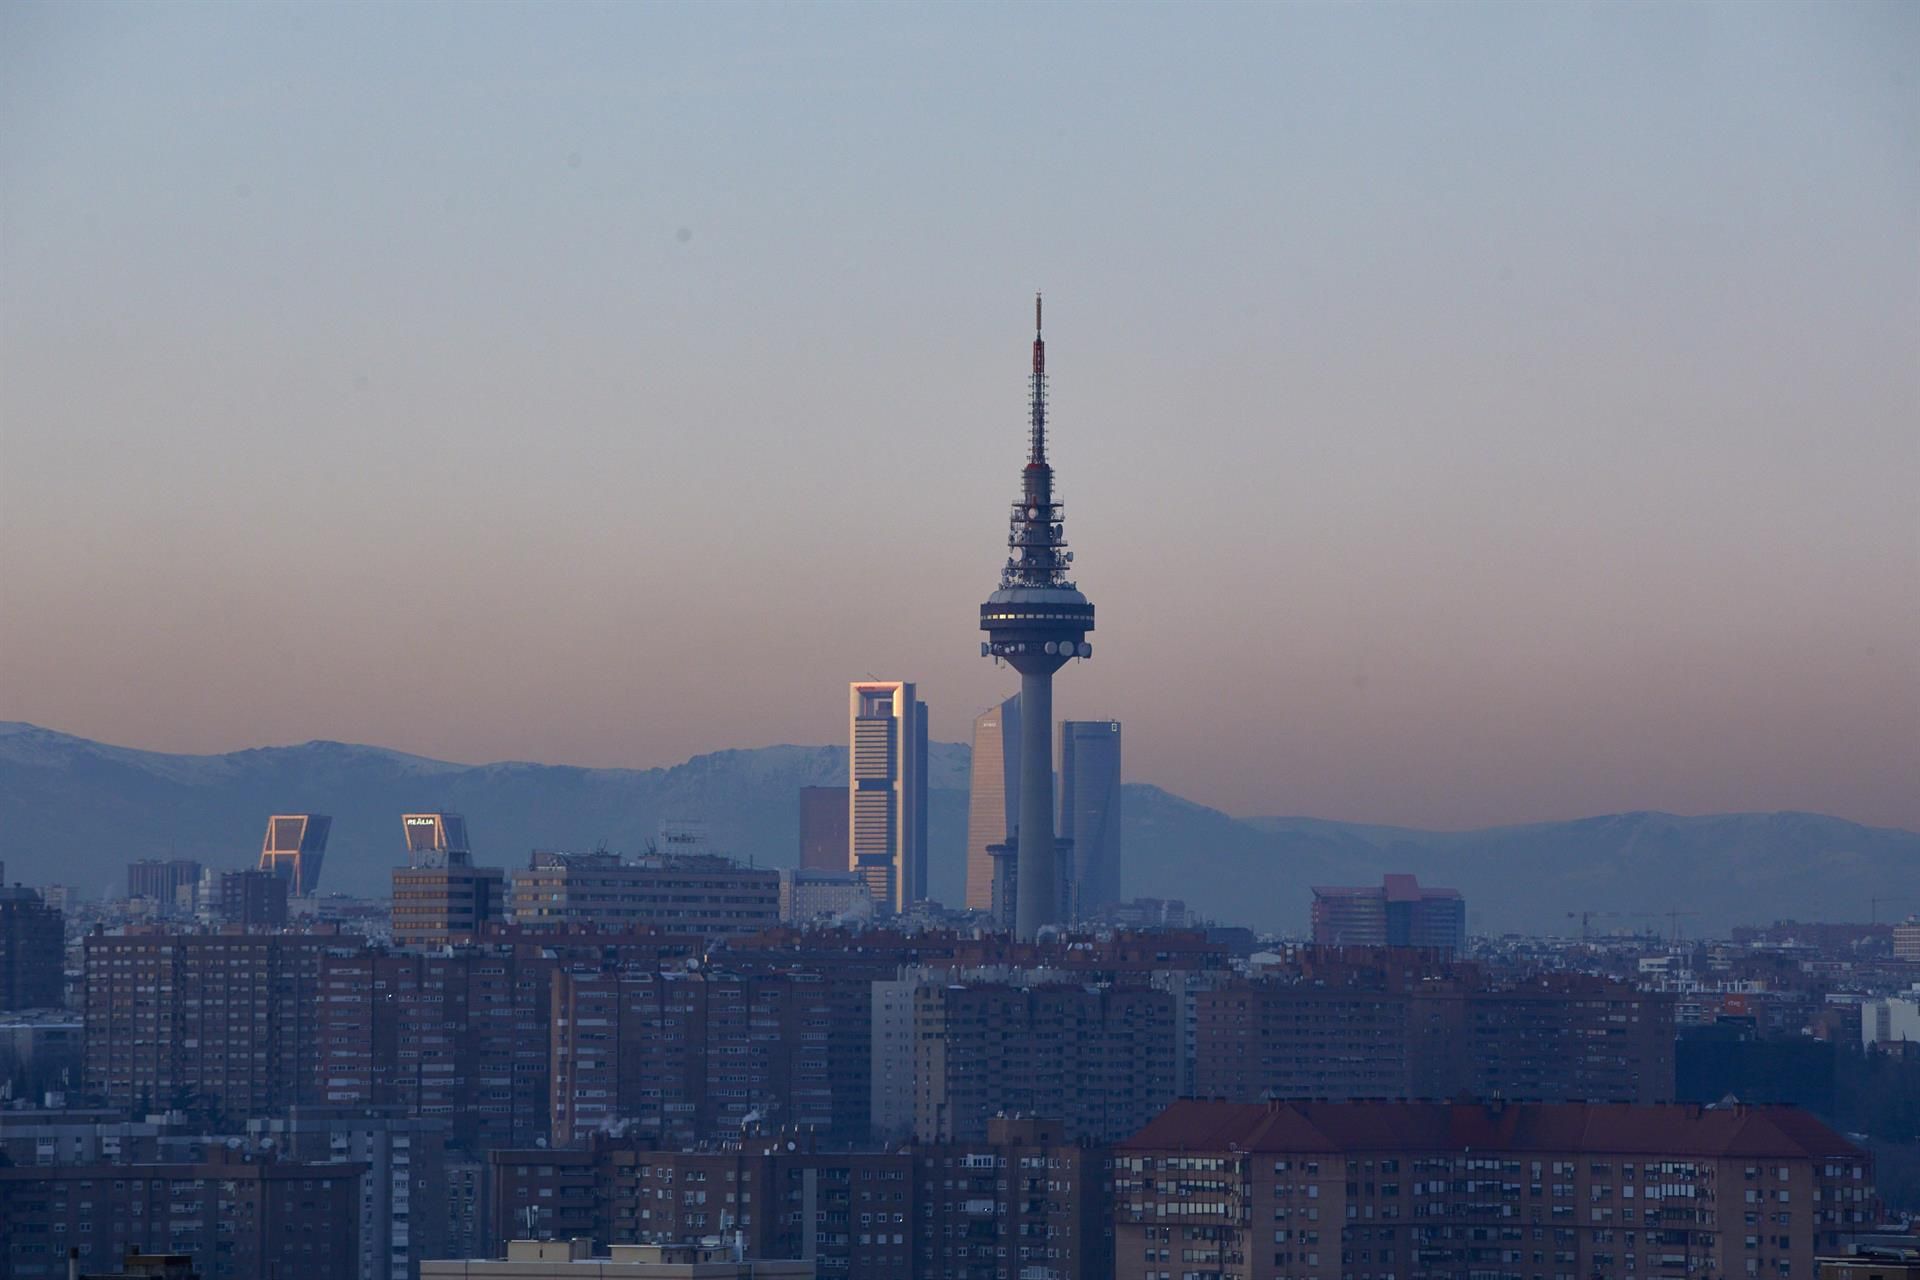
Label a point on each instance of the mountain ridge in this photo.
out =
(76, 811)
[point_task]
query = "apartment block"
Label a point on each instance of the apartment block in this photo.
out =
(1101, 1058)
(1368, 1190)
(33, 941)
(1022, 1204)
(222, 1026)
(239, 1217)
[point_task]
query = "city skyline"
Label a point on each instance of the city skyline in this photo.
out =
(1522, 401)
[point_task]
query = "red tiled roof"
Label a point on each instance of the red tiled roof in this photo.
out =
(1619, 1128)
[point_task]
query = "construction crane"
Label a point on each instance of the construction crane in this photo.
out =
(1873, 911)
(1673, 920)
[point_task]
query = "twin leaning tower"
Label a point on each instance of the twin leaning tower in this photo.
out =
(1035, 622)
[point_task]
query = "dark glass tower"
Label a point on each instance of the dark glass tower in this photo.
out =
(1035, 622)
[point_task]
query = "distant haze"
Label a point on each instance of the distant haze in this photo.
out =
(1466, 414)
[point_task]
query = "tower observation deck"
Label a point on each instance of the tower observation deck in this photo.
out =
(1036, 622)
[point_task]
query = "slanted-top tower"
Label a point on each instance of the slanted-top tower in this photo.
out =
(1036, 621)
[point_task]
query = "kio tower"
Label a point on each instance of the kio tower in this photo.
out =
(1035, 622)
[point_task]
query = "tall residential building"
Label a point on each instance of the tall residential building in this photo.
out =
(1023, 1202)
(1103, 1059)
(993, 796)
(1399, 913)
(440, 897)
(823, 829)
(1329, 1190)
(1090, 812)
(161, 881)
(1036, 622)
(295, 846)
(253, 899)
(887, 790)
(221, 1025)
(33, 942)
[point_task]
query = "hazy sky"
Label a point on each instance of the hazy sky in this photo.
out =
(1466, 414)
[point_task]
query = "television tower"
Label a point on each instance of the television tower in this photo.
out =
(1035, 622)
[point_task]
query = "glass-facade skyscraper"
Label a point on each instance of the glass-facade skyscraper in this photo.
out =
(993, 795)
(887, 790)
(1090, 811)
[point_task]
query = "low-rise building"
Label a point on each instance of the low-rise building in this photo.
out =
(701, 894)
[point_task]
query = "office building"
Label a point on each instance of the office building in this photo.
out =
(697, 894)
(1328, 1190)
(1036, 622)
(807, 896)
(294, 849)
(33, 951)
(162, 881)
(1399, 913)
(993, 795)
(440, 898)
(887, 790)
(1906, 941)
(1090, 813)
(435, 839)
(823, 829)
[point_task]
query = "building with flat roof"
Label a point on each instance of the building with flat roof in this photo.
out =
(440, 898)
(1397, 913)
(239, 1217)
(1323, 1190)
(1090, 813)
(807, 895)
(701, 894)
(575, 1260)
(887, 790)
(823, 829)
(33, 951)
(993, 796)
(162, 880)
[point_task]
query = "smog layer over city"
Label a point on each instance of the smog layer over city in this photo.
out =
(1259, 641)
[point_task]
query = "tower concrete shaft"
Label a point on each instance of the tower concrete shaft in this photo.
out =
(1036, 621)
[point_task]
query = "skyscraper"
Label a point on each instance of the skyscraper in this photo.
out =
(1036, 621)
(440, 897)
(993, 795)
(1090, 811)
(295, 846)
(887, 790)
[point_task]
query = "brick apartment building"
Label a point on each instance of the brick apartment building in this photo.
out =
(240, 1218)
(1370, 1030)
(695, 1056)
(221, 1025)
(1101, 1058)
(851, 1213)
(1023, 1204)
(1370, 1190)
